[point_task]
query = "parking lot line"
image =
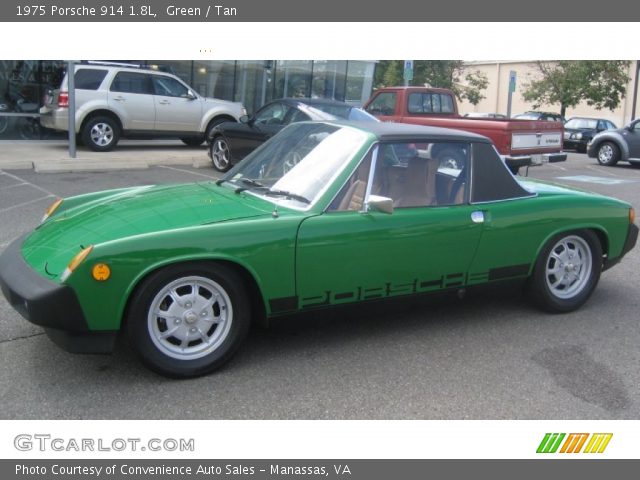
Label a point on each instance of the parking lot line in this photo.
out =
(25, 182)
(23, 204)
(187, 171)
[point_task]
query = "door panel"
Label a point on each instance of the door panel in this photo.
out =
(633, 139)
(175, 111)
(130, 96)
(345, 257)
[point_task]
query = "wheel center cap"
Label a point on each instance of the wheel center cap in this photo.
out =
(190, 317)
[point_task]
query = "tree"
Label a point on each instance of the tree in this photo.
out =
(601, 83)
(450, 74)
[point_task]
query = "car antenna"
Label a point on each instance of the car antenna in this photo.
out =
(275, 214)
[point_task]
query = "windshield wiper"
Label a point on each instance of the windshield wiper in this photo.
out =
(253, 183)
(284, 193)
(271, 192)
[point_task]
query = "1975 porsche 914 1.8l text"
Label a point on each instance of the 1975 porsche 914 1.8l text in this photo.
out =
(323, 214)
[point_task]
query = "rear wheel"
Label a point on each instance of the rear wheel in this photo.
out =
(567, 271)
(101, 134)
(188, 320)
(608, 154)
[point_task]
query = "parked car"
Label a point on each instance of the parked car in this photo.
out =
(520, 143)
(322, 215)
(579, 131)
(231, 142)
(545, 116)
(485, 115)
(114, 101)
(611, 146)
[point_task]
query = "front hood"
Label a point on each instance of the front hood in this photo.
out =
(130, 212)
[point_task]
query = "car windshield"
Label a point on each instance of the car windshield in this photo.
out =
(582, 123)
(345, 112)
(527, 116)
(297, 166)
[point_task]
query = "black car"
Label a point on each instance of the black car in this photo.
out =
(230, 142)
(533, 115)
(579, 131)
(611, 146)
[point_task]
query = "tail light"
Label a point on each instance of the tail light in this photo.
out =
(63, 99)
(632, 215)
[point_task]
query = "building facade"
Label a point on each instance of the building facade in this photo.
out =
(497, 93)
(23, 84)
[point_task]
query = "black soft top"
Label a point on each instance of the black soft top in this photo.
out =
(386, 131)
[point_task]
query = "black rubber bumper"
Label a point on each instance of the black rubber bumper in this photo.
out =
(630, 242)
(50, 305)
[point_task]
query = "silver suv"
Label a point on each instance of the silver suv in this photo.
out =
(114, 101)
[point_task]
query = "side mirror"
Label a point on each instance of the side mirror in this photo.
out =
(379, 204)
(244, 119)
(191, 95)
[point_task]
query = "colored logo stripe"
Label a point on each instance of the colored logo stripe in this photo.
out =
(575, 441)
(598, 442)
(550, 443)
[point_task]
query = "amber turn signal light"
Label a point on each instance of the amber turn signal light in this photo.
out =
(52, 208)
(632, 215)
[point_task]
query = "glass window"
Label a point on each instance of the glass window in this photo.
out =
(89, 78)
(214, 78)
(130, 82)
(383, 104)
(430, 103)
(611, 126)
(352, 194)
(329, 79)
(272, 114)
(168, 87)
(421, 175)
(359, 81)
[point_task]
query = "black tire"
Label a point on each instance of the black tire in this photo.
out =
(608, 154)
(220, 153)
(565, 261)
(184, 353)
(213, 124)
(101, 133)
(192, 141)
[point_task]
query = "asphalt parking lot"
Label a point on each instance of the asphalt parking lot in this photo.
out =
(484, 357)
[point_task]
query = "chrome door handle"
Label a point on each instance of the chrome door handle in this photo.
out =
(120, 99)
(477, 216)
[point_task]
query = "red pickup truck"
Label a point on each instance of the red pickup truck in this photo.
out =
(520, 142)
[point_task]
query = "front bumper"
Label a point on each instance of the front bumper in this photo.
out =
(630, 242)
(50, 305)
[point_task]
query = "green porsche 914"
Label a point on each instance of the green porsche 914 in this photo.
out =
(323, 214)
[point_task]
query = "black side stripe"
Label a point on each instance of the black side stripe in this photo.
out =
(283, 304)
(508, 272)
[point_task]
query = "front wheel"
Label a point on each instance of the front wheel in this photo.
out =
(220, 154)
(188, 320)
(608, 154)
(567, 271)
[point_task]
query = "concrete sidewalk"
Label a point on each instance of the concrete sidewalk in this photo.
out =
(53, 156)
